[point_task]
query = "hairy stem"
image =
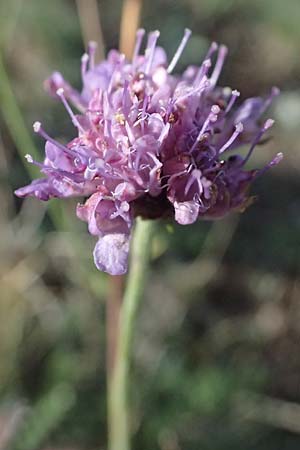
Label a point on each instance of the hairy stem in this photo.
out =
(118, 410)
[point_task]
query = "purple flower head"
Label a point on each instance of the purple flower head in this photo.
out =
(150, 143)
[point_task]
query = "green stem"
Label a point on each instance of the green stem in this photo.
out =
(118, 411)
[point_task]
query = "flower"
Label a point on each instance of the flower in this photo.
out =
(150, 143)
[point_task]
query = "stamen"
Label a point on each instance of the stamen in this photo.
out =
(216, 167)
(219, 64)
(139, 38)
(268, 124)
(144, 166)
(164, 132)
(201, 88)
(212, 117)
(197, 200)
(126, 100)
(106, 105)
(276, 160)
(212, 49)
(149, 53)
(274, 93)
(121, 209)
(84, 62)
(238, 130)
(92, 51)
(234, 95)
(170, 106)
(158, 164)
(117, 68)
(107, 129)
(204, 68)
(144, 109)
(178, 53)
(60, 93)
(90, 173)
(129, 133)
(29, 158)
(37, 128)
(194, 176)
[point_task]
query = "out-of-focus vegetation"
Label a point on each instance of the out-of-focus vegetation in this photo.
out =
(217, 363)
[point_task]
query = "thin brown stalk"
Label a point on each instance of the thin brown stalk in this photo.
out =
(129, 24)
(89, 18)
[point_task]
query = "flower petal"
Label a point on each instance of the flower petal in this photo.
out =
(186, 212)
(111, 253)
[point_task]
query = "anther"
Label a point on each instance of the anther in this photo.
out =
(36, 127)
(234, 95)
(268, 124)
(29, 158)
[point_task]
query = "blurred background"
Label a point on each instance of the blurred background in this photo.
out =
(217, 361)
